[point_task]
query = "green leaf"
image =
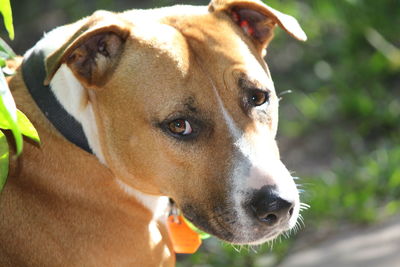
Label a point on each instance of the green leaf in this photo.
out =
(5, 48)
(26, 127)
(3, 160)
(4, 55)
(203, 235)
(8, 113)
(5, 10)
(2, 62)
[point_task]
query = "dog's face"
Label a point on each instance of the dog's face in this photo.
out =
(185, 107)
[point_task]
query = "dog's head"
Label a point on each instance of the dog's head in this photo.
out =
(185, 107)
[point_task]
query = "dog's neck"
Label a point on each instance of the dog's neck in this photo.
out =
(34, 74)
(65, 104)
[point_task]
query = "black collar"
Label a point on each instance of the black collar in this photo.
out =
(34, 74)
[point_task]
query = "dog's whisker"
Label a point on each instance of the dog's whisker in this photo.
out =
(272, 244)
(284, 93)
(236, 248)
(300, 185)
(305, 184)
(286, 234)
(254, 249)
(291, 233)
(297, 227)
(301, 220)
(304, 206)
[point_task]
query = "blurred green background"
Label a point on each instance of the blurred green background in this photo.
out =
(339, 128)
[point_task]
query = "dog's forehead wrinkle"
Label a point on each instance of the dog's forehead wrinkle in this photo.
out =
(189, 107)
(190, 104)
(247, 81)
(232, 127)
(255, 69)
(259, 78)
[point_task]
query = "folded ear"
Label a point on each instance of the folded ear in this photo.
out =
(258, 20)
(93, 51)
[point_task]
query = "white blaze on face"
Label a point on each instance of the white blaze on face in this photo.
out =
(260, 166)
(265, 168)
(237, 173)
(257, 162)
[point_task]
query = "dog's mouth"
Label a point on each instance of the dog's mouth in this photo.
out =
(236, 226)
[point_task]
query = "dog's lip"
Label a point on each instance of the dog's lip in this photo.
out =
(216, 229)
(250, 238)
(258, 241)
(254, 235)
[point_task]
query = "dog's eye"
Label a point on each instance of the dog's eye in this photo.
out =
(257, 97)
(180, 127)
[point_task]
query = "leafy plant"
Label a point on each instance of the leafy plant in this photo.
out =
(10, 117)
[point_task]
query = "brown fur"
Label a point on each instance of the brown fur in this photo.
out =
(72, 213)
(62, 207)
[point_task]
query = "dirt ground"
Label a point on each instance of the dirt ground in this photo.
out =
(376, 246)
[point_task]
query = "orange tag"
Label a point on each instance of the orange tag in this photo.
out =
(184, 239)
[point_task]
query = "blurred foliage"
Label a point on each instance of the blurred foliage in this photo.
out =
(10, 117)
(346, 86)
(339, 129)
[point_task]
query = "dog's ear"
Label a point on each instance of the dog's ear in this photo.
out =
(258, 20)
(93, 51)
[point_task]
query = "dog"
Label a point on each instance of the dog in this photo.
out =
(137, 107)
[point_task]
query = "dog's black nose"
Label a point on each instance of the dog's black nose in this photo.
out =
(269, 208)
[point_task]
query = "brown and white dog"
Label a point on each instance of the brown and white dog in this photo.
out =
(172, 102)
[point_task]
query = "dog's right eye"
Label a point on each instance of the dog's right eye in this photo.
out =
(183, 127)
(257, 97)
(180, 127)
